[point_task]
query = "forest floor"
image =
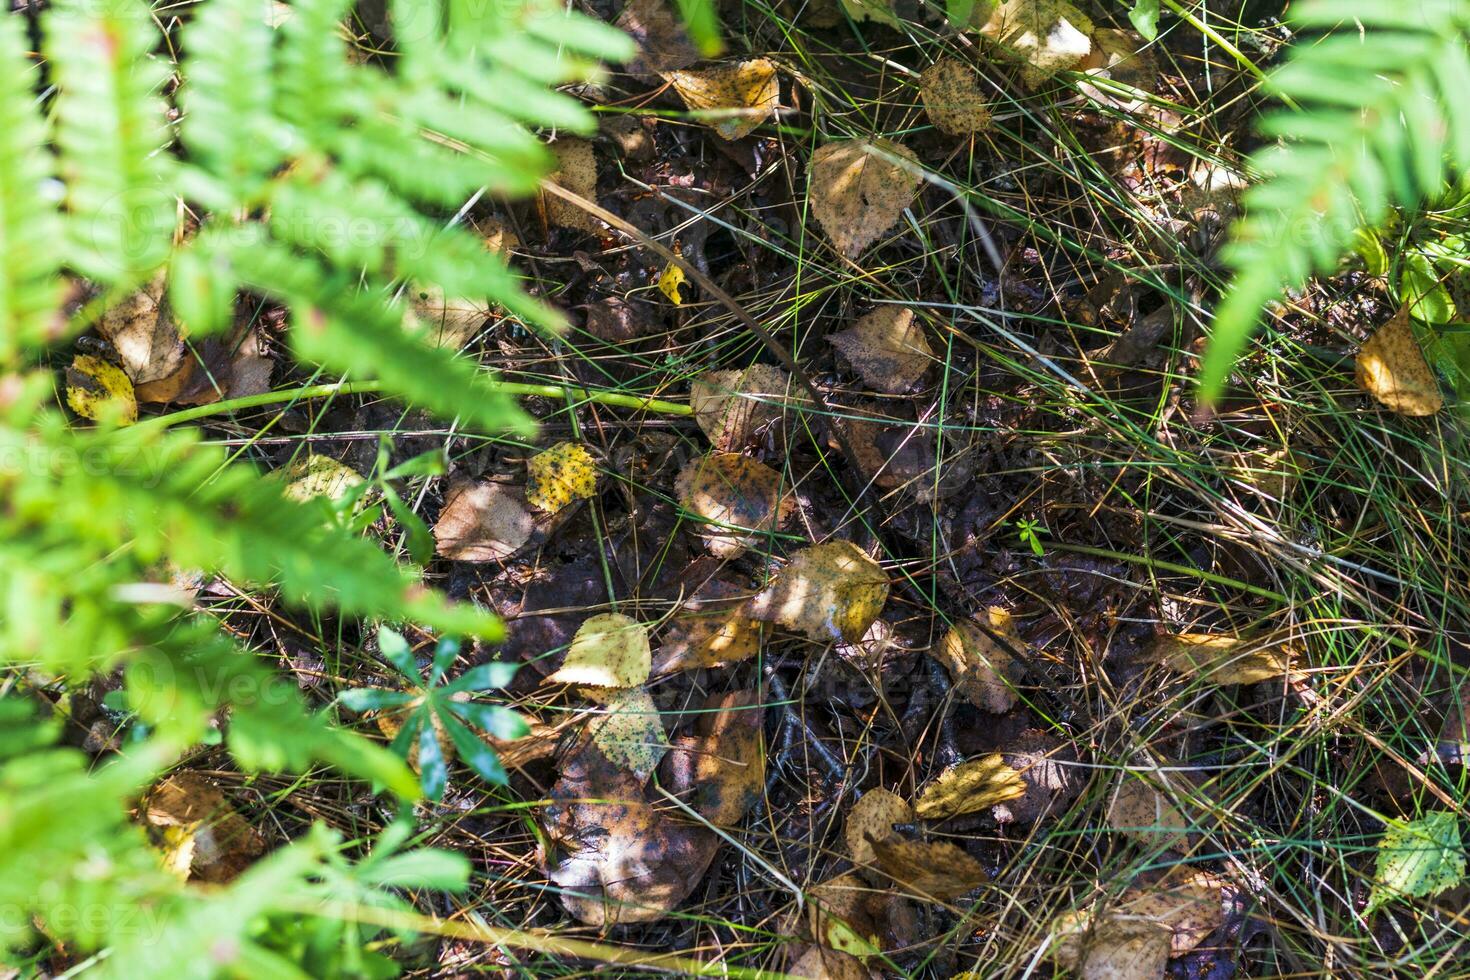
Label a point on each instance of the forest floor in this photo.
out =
(992, 402)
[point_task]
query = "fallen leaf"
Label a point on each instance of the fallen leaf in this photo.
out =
(886, 349)
(830, 592)
(560, 475)
(880, 11)
(316, 475)
(1118, 949)
(1391, 367)
(1134, 936)
(1143, 812)
(983, 671)
(820, 963)
(840, 916)
(630, 733)
(670, 281)
(95, 387)
(933, 869)
(740, 499)
(144, 334)
(576, 170)
(733, 407)
(1223, 659)
(859, 189)
(1190, 904)
(720, 770)
(737, 98)
(969, 787)
(899, 454)
(497, 236)
(217, 368)
(1046, 36)
(1121, 57)
(1048, 767)
(615, 857)
(658, 29)
(618, 320)
(486, 521)
(953, 98)
(203, 836)
(610, 650)
(1273, 473)
(873, 816)
(1418, 858)
(709, 630)
(444, 322)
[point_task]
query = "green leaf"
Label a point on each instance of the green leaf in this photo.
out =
(496, 673)
(447, 871)
(361, 699)
(420, 541)
(1145, 18)
(474, 752)
(445, 652)
(1418, 858)
(433, 770)
(396, 651)
(500, 722)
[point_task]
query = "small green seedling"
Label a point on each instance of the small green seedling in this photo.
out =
(1026, 529)
(429, 707)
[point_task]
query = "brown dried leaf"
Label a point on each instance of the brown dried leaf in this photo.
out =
(443, 322)
(1049, 769)
(741, 499)
(720, 771)
(1222, 659)
(737, 98)
(1122, 57)
(970, 786)
(873, 816)
(1151, 922)
(859, 189)
(1190, 904)
(1047, 36)
(576, 171)
(830, 592)
(953, 98)
(887, 349)
(485, 521)
(820, 963)
(983, 671)
(218, 367)
(732, 407)
(144, 334)
(204, 838)
(933, 869)
(1391, 368)
(610, 650)
(710, 630)
(1141, 811)
(663, 43)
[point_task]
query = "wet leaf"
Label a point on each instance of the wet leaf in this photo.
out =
(670, 281)
(936, 869)
(216, 368)
(144, 334)
(953, 98)
(741, 499)
(720, 770)
(610, 650)
(737, 98)
(733, 407)
(203, 837)
(485, 521)
(859, 188)
(576, 171)
(1391, 367)
(830, 592)
(1047, 36)
(886, 349)
(560, 475)
(315, 475)
(630, 733)
(873, 816)
(1418, 858)
(970, 787)
(1143, 812)
(983, 671)
(1222, 659)
(95, 387)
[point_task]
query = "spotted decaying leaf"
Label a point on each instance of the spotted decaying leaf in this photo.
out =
(1118, 949)
(316, 475)
(1152, 922)
(970, 787)
(1222, 659)
(610, 650)
(1046, 36)
(629, 732)
(887, 349)
(144, 334)
(859, 188)
(935, 869)
(830, 592)
(872, 818)
(96, 387)
(557, 476)
(1391, 367)
(953, 98)
(983, 671)
(203, 837)
(737, 98)
(576, 170)
(709, 630)
(720, 770)
(733, 407)
(742, 500)
(1143, 812)
(487, 521)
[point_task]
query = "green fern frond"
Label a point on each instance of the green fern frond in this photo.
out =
(111, 132)
(29, 225)
(1378, 125)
